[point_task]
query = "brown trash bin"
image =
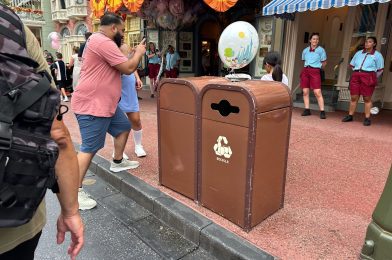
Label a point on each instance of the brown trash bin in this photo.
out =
(245, 129)
(177, 133)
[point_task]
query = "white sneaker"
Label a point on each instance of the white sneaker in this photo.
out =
(85, 202)
(124, 165)
(139, 151)
(65, 99)
(124, 156)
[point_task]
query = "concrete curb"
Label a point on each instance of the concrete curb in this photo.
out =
(218, 241)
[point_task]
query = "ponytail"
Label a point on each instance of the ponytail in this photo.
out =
(277, 73)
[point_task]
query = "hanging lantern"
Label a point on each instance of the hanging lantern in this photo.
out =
(221, 5)
(133, 5)
(98, 7)
(113, 5)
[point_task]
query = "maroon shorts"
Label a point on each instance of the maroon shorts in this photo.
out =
(363, 83)
(153, 70)
(173, 73)
(310, 78)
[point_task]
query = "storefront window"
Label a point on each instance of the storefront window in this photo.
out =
(134, 39)
(65, 32)
(364, 26)
(185, 51)
(81, 29)
(265, 30)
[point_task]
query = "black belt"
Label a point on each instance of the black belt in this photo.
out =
(365, 71)
(311, 67)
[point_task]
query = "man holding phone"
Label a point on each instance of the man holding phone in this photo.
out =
(95, 101)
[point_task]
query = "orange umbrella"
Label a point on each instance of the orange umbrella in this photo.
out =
(221, 5)
(98, 7)
(133, 5)
(113, 5)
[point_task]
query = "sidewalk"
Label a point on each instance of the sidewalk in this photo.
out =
(336, 173)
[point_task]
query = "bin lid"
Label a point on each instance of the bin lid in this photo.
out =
(181, 94)
(242, 100)
(267, 95)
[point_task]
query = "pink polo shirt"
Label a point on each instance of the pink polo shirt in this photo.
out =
(99, 89)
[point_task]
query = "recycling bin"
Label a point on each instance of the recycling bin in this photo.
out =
(378, 240)
(178, 102)
(244, 140)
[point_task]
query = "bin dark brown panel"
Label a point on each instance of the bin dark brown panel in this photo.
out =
(177, 133)
(244, 137)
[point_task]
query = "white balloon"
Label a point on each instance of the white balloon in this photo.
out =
(238, 45)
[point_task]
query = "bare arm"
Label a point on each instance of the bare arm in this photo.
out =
(131, 65)
(67, 171)
(139, 83)
(71, 63)
(151, 55)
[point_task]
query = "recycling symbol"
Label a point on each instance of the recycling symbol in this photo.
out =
(222, 149)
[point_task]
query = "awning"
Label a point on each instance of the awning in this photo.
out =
(292, 6)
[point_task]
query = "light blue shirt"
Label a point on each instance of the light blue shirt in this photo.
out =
(154, 59)
(171, 60)
(314, 58)
(367, 61)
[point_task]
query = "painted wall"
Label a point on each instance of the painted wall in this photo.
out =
(48, 27)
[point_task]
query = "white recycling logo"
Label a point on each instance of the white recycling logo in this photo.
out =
(222, 149)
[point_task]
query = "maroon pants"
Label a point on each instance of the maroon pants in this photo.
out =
(173, 73)
(363, 83)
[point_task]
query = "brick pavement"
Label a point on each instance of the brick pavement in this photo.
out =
(336, 173)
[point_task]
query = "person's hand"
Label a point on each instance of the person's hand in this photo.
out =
(74, 225)
(141, 48)
(139, 84)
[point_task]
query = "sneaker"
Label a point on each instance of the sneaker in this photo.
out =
(85, 202)
(139, 151)
(139, 98)
(323, 115)
(124, 156)
(66, 99)
(367, 122)
(348, 118)
(152, 96)
(306, 112)
(123, 166)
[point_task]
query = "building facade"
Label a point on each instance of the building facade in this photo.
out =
(37, 16)
(342, 32)
(71, 20)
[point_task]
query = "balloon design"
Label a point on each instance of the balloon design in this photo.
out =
(238, 45)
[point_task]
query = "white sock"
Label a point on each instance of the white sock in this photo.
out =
(137, 136)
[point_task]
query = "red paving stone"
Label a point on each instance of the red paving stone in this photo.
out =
(336, 173)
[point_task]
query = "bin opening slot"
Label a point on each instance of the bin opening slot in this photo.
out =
(225, 108)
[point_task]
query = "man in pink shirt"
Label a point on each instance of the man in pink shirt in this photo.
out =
(95, 100)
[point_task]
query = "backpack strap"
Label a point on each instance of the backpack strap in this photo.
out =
(11, 19)
(12, 107)
(12, 35)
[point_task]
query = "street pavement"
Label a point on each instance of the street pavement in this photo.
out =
(335, 174)
(117, 228)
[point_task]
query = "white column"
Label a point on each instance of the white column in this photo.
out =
(290, 44)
